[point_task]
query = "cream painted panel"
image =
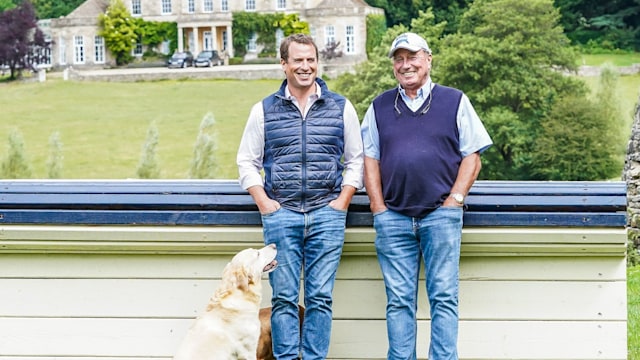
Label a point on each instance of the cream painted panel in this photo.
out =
(89, 338)
(352, 267)
(353, 299)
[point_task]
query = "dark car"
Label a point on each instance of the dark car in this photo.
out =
(180, 60)
(208, 58)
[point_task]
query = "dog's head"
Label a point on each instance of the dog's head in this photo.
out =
(247, 266)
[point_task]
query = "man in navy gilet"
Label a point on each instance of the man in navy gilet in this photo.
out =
(422, 145)
(307, 141)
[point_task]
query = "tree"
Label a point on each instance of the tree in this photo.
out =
(119, 31)
(15, 165)
(21, 41)
(8, 4)
(510, 57)
(54, 162)
(148, 167)
(203, 164)
(52, 9)
(376, 75)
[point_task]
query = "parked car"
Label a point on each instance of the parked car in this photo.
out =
(180, 60)
(208, 58)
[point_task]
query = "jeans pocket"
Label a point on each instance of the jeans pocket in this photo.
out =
(271, 214)
(337, 210)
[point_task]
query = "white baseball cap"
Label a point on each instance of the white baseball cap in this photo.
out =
(410, 41)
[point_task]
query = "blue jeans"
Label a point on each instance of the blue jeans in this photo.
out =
(312, 241)
(400, 242)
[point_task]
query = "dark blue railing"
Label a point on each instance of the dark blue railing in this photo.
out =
(223, 202)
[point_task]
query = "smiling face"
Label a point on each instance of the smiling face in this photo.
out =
(411, 69)
(300, 66)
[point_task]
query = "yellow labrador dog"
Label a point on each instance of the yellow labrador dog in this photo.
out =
(229, 328)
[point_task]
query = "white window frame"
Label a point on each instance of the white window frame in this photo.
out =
(207, 6)
(249, 5)
(350, 39)
(191, 6)
(98, 50)
(136, 7)
(207, 40)
(281, 4)
(279, 38)
(62, 51)
(78, 49)
(165, 7)
(329, 35)
(224, 5)
(137, 50)
(252, 44)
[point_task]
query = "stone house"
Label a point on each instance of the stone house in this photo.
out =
(207, 25)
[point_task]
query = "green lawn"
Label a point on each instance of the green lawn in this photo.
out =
(617, 60)
(103, 125)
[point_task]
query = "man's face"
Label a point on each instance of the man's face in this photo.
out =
(302, 66)
(411, 69)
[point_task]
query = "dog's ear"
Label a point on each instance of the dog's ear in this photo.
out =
(242, 278)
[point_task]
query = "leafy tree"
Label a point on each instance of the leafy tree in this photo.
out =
(8, 4)
(153, 33)
(148, 167)
(376, 75)
(54, 162)
(51, 9)
(376, 28)
(203, 164)
(119, 31)
(603, 24)
(245, 24)
(576, 143)
(509, 57)
(15, 165)
(20, 39)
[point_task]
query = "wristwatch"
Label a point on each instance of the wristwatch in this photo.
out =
(459, 198)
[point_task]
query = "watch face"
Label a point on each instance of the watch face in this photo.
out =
(458, 197)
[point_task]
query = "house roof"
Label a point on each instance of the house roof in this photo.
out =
(89, 9)
(342, 4)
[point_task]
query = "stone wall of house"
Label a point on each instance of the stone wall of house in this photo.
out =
(631, 175)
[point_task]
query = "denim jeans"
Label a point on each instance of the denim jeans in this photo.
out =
(311, 241)
(400, 242)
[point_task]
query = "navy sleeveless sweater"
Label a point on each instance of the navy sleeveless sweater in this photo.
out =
(302, 158)
(419, 153)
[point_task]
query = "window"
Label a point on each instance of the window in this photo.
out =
(137, 50)
(279, 38)
(224, 40)
(191, 6)
(62, 54)
(166, 7)
(208, 5)
(98, 44)
(329, 35)
(78, 49)
(252, 46)
(250, 5)
(224, 5)
(350, 39)
(136, 7)
(281, 4)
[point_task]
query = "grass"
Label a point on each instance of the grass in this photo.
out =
(627, 59)
(633, 312)
(103, 125)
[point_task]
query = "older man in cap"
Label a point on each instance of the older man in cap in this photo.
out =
(422, 145)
